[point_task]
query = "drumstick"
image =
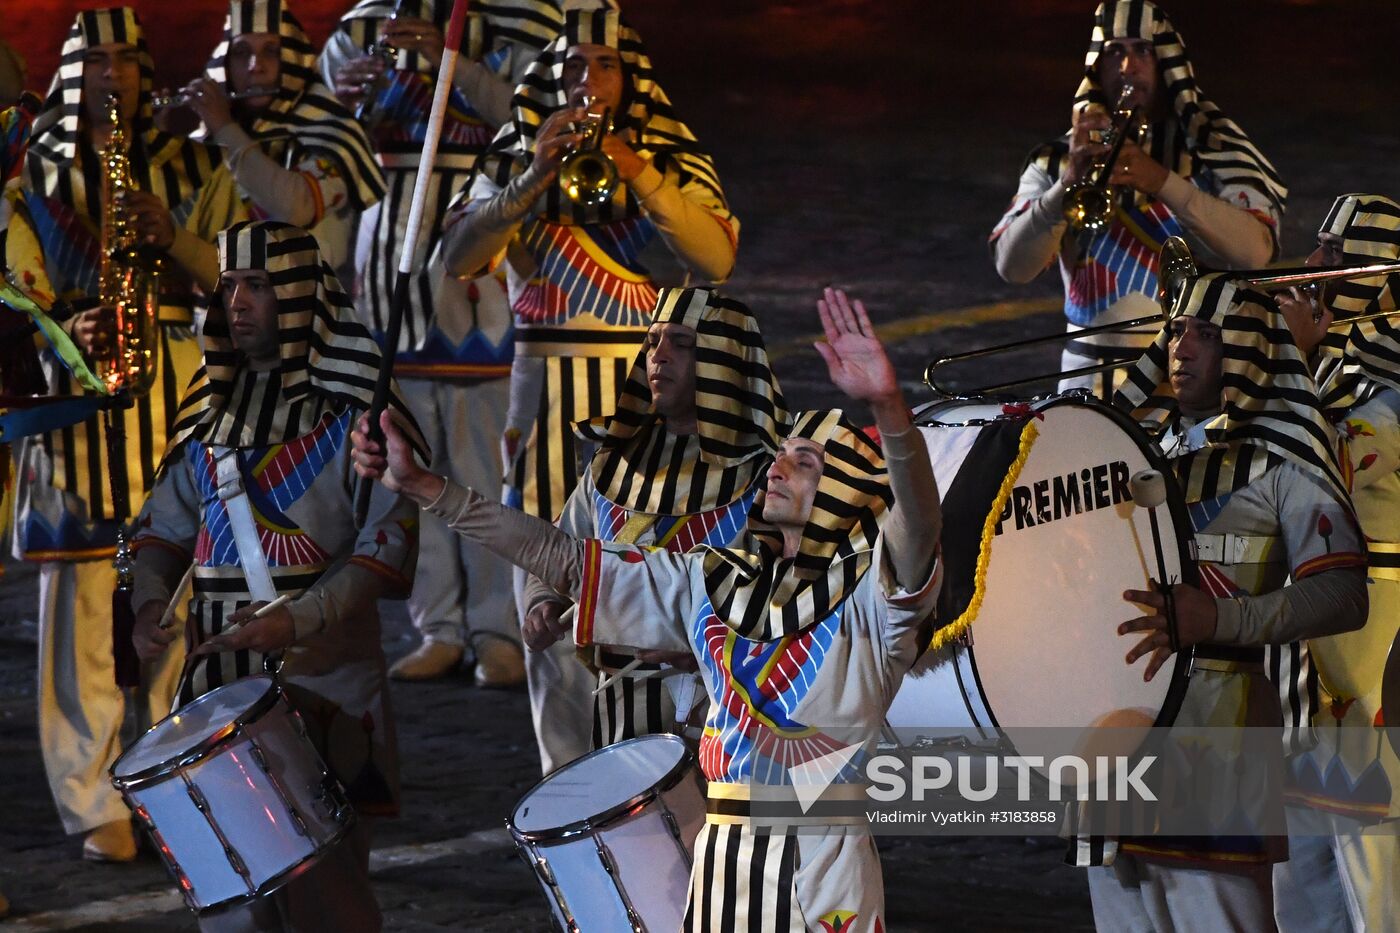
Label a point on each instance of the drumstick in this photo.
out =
(192, 656)
(1149, 489)
(611, 679)
(167, 619)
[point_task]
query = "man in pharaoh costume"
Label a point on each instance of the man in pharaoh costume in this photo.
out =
(1280, 559)
(77, 486)
(287, 367)
(1345, 777)
(1189, 171)
(455, 350)
(678, 466)
(814, 628)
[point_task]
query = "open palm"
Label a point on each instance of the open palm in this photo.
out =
(855, 359)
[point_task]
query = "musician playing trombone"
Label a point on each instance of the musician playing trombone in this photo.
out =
(455, 348)
(581, 296)
(1280, 559)
(256, 490)
(1183, 169)
(1347, 779)
(70, 500)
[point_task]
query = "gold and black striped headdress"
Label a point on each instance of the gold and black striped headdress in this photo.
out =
(646, 116)
(329, 360)
(169, 166)
(1270, 412)
(304, 110)
(1206, 138)
(764, 596)
(531, 24)
(740, 416)
(1365, 356)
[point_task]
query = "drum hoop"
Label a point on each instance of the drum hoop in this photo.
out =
(281, 878)
(589, 824)
(1070, 395)
(206, 747)
(1176, 505)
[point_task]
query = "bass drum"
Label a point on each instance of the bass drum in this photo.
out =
(1041, 649)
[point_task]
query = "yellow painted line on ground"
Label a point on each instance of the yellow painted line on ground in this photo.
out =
(904, 328)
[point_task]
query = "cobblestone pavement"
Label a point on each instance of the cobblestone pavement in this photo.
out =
(869, 145)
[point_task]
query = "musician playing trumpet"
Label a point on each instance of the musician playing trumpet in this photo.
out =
(292, 154)
(581, 296)
(1183, 169)
(70, 500)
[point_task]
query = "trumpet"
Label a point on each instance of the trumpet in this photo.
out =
(179, 99)
(1088, 204)
(366, 112)
(1177, 268)
(586, 174)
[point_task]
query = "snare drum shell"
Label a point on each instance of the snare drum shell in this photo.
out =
(261, 797)
(650, 847)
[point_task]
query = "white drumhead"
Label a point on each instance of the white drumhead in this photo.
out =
(1044, 642)
(184, 729)
(598, 783)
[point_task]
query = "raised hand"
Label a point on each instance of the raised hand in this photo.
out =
(395, 466)
(855, 359)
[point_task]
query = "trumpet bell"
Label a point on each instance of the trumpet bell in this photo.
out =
(588, 177)
(1088, 207)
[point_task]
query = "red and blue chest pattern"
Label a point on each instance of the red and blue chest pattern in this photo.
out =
(274, 477)
(719, 527)
(752, 731)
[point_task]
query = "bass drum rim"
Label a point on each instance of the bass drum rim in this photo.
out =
(1390, 695)
(1176, 504)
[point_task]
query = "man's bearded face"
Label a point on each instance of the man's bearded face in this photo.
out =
(1130, 60)
(111, 68)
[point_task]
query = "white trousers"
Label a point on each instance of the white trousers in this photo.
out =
(1137, 896)
(561, 698)
(1337, 878)
(461, 586)
(81, 709)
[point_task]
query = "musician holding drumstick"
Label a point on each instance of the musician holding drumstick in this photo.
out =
(1185, 170)
(257, 489)
(1281, 559)
(1349, 779)
(821, 622)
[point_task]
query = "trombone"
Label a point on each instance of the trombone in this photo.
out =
(1177, 267)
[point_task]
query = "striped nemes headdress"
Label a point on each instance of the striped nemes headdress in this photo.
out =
(646, 117)
(763, 596)
(1270, 413)
(491, 24)
(1365, 356)
(1210, 136)
(329, 360)
(171, 167)
(304, 109)
(740, 416)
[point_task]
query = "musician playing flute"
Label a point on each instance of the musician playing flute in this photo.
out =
(1345, 777)
(678, 466)
(581, 294)
(455, 349)
(286, 368)
(68, 510)
(1193, 172)
(1280, 557)
(293, 154)
(817, 626)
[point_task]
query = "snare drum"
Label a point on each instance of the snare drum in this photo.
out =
(234, 794)
(1043, 648)
(611, 836)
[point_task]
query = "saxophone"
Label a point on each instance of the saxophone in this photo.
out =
(129, 274)
(129, 287)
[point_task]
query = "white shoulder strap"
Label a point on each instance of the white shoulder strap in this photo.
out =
(240, 520)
